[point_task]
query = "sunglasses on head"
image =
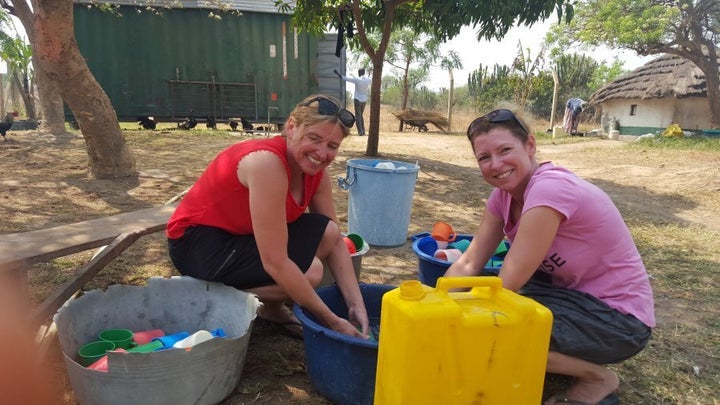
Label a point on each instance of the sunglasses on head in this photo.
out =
(495, 117)
(329, 108)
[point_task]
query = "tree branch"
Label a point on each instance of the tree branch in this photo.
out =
(7, 6)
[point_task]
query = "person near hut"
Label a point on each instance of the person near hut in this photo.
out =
(573, 108)
(570, 250)
(360, 96)
(261, 218)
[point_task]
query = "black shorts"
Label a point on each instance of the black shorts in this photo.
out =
(585, 327)
(212, 254)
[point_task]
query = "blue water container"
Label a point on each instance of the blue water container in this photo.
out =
(342, 368)
(380, 199)
(431, 268)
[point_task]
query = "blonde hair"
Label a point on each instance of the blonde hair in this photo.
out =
(306, 113)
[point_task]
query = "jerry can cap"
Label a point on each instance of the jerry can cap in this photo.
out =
(412, 290)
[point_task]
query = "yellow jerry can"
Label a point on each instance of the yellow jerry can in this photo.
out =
(486, 345)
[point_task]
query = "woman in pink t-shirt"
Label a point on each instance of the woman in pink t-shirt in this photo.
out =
(569, 250)
(261, 218)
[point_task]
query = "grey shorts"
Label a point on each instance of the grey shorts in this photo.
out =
(585, 327)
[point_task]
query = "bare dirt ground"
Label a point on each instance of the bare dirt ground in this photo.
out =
(45, 183)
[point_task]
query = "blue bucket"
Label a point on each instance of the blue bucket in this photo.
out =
(380, 199)
(342, 368)
(431, 268)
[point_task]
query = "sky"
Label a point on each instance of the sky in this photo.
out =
(488, 53)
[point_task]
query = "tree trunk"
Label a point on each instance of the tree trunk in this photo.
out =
(708, 64)
(556, 86)
(49, 101)
(405, 93)
(50, 104)
(24, 89)
(712, 81)
(58, 55)
(450, 100)
(374, 134)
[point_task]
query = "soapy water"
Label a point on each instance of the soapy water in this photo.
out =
(373, 329)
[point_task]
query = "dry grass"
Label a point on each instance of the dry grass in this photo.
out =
(671, 209)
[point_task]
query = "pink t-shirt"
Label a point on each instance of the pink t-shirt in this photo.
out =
(219, 199)
(593, 250)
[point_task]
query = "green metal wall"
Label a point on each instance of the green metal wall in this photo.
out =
(135, 56)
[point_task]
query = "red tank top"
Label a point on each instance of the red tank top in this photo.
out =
(219, 199)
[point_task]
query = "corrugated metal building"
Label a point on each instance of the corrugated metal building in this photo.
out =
(186, 57)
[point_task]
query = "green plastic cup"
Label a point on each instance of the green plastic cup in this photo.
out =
(147, 347)
(93, 351)
(501, 249)
(122, 338)
(357, 240)
(461, 245)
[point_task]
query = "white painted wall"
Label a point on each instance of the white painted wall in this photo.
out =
(689, 113)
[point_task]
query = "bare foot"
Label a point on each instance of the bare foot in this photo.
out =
(590, 390)
(277, 312)
(280, 315)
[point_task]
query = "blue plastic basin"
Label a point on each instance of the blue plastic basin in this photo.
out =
(431, 268)
(342, 368)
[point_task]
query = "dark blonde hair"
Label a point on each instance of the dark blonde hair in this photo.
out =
(307, 113)
(502, 118)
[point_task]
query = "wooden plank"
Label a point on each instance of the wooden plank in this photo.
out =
(20, 250)
(83, 275)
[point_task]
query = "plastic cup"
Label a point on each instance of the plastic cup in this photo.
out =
(357, 240)
(169, 340)
(460, 245)
(443, 231)
(219, 332)
(122, 338)
(427, 245)
(146, 336)
(350, 245)
(102, 364)
(147, 347)
(449, 255)
(194, 339)
(385, 165)
(501, 249)
(94, 351)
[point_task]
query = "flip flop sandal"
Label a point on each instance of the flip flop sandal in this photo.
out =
(290, 328)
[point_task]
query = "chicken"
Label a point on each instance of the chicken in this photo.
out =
(211, 123)
(188, 123)
(247, 126)
(147, 122)
(7, 123)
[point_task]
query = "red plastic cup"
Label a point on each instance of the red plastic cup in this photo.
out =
(350, 245)
(102, 364)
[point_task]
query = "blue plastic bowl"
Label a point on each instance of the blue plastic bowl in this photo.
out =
(342, 368)
(430, 268)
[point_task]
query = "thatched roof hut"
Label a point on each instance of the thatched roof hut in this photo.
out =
(667, 90)
(666, 76)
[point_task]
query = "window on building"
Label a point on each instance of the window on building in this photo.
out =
(633, 109)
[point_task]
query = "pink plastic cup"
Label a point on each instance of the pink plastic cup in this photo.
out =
(147, 336)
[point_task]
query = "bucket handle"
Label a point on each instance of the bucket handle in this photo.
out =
(347, 183)
(447, 283)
